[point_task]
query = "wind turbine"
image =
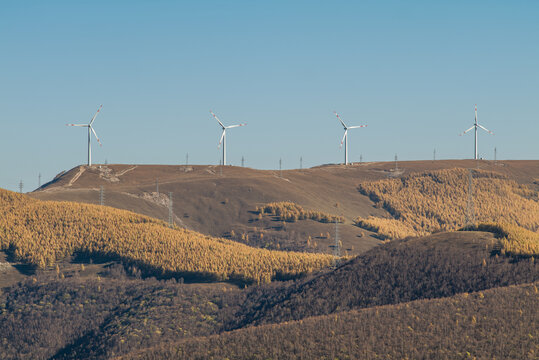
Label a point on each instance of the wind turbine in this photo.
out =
(90, 130)
(475, 126)
(345, 137)
(223, 135)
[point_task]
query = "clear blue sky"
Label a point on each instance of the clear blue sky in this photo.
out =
(411, 70)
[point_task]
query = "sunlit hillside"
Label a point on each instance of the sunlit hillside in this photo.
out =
(42, 232)
(438, 201)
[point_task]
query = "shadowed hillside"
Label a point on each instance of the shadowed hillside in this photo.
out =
(435, 266)
(495, 324)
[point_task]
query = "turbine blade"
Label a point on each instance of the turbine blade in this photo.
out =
(91, 128)
(80, 125)
(342, 122)
(484, 128)
(216, 118)
(356, 127)
(344, 136)
(466, 131)
(97, 113)
(233, 126)
(221, 139)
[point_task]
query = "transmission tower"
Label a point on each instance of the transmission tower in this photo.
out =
(396, 163)
(280, 167)
(187, 159)
(101, 196)
(242, 161)
(301, 162)
(157, 186)
(360, 158)
(494, 155)
(39, 180)
(337, 246)
(434, 155)
(470, 214)
(21, 185)
(170, 212)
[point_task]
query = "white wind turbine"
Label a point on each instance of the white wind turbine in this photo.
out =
(475, 126)
(223, 135)
(90, 130)
(345, 137)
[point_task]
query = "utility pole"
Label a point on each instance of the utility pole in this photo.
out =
(101, 196)
(21, 185)
(301, 162)
(170, 211)
(242, 161)
(470, 214)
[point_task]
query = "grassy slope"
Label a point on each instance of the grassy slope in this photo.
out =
(495, 324)
(40, 233)
(215, 203)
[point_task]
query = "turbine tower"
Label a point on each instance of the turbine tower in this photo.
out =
(475, 126)
(90, 130)
(345, 137)
(223, 135)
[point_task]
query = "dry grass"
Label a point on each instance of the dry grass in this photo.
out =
(42, 232)
(437, 201)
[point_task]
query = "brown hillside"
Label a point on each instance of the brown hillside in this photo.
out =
(500, 323)
(216, 201)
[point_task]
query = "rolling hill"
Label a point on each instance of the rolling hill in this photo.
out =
(42, 232)
(434, 266)
(222, 201)
(499, 323)
(117, 281)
